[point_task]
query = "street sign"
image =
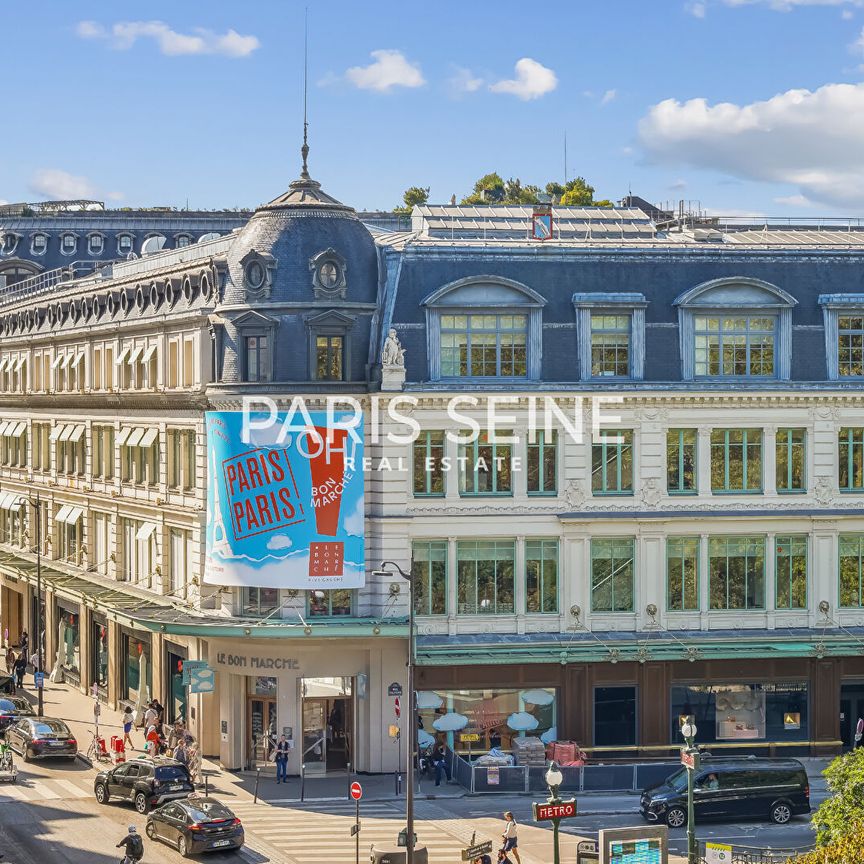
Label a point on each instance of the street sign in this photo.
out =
(690, 759)
(718, 853)
(189, 666)
(476, 851)
(393, 731)
(548, 811)
(355, 829)
(395, 689)
(587, 852)
(356, 791)
(39, 679)
(468, 737)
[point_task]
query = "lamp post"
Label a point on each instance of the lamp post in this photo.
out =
(411, 719)
(554, 778)
(688, 730)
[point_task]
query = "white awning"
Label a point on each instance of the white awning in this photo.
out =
(124, 434)
(135, 437)
(149, 437)
(145, 532)
(148, 354)
(121, 357)
(57, 361)
(68, 429)
(77, 432)
(11, 501)
(21, 361)
(57, 431)
(67, 359)
(78, 358)
(3, 426)
(15, 430)
(69, 514)
(62, 513)
(3, 363)
(136, 353)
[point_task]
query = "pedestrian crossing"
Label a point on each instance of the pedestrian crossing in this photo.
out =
(29, 789)
(322, 835)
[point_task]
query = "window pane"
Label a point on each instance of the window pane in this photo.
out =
(612, 575)
(790, 460)
(736, 572)
(682, 568)
(736, 460)
(612, 463)
(791, 572)
(851, 553)
(428, 470)
(484, 345)
(485, 576)
(681, 460)
(542, 464)
(541, 576)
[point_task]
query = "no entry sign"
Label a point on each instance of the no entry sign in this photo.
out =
(356, 791)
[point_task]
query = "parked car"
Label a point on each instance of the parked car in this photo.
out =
(14, 708)
(41, 737)
(196, 825)
(147, 782)
(736, 788)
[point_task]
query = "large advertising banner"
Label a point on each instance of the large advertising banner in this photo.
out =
(284, 500)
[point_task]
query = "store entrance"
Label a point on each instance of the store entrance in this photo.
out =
(851, 708)
(261, 723)
(328, 724)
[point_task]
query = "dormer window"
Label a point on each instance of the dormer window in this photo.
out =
(95, 244)
(610, 335)
(183, 240)
(8, 242)
(843, 315)
(68, 244)
(124, 244)
(258, 270)
(38, 244)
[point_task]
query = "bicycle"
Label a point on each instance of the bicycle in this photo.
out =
(97, 752)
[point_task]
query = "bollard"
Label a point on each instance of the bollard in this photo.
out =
(257, 779)
(206, 785)
(302, 781)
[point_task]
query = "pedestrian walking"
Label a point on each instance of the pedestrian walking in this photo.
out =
(509, 835)
(154, 741)
(24, 644)
(20, 667)
(10, 660)
(282, 759)
(194, 765)
(439, 760)
(151, 715)
(128, 721)
(34, 665)
(181, 752)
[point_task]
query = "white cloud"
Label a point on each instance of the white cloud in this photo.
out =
(793, 201)
(124, 34)
(532, 80)
(389, 69)
(280, 541)
(60, 185)
(678, 184)
(847, 14)
(608, 96)
(464, 81)
(789, 5)
(810, 140)
(354, 520)
(697, 10)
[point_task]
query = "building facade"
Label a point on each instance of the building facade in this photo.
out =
(668, 523)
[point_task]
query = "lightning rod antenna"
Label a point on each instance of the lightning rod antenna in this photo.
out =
(305, 149)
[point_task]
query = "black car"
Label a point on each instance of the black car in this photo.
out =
(14, 708)
(41, 737)
(731, 788)
(196, 825)
(146, 782)
(7, 684)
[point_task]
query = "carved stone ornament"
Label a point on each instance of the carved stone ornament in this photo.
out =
(651, 493)
(329, 275)
(823, 490)
(575, 493)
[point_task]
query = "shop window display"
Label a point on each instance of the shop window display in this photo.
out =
(498, 716)
(70, 642)
(742, 712)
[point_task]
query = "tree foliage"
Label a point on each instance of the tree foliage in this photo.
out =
(412, 196)
(845, 850)
(842, 815)
(493, 189)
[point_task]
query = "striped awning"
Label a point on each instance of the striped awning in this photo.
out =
(69, 514)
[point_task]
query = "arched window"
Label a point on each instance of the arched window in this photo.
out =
(484, 327)
(16, 271)
(735, 328)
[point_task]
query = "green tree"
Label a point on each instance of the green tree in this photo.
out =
(842, 814)
(516, 193)
(489, 189)
(413, 195)
(577, 193)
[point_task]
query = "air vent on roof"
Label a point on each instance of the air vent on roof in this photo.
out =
(707, 235)
(213, 235)
(152, 244)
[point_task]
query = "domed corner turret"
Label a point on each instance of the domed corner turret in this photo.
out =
(304, 246)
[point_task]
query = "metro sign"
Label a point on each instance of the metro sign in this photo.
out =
(690, 759)
(549, 811)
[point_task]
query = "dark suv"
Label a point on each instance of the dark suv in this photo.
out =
(731, 788)
(146, 782)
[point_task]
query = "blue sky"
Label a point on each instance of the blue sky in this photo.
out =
(748, 106)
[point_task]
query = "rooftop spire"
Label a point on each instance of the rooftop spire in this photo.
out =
(304, 150)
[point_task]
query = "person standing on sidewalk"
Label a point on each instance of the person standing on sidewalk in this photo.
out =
(509, 835)
(128, 721)
(24, 644)
(282, 759)
(10, 660)
(20, 667)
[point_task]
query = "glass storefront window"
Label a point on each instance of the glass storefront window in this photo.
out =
(329, 603)
(498, 716)
(262, 686)
(176, 702)
(99, 652)
(742, 712)
(138, 670)
(70, 639)
(614, 716)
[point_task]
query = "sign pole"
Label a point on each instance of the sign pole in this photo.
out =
(357, 833)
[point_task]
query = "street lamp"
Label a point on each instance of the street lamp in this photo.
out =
(554, 778)
(411, 719)
(688, 730)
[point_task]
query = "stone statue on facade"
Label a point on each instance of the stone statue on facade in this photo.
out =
(392, 363)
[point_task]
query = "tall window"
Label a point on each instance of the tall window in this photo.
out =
(852, 570)
(850, 346)
(682, 574)
(791, 459)
(612, 574)
(429, 572)
(541, 576)
(330, 603)
(736, 460)
(257, 358)
(612, 463)
(428, 471)
(484, 467)
(542, 463)
(179, 561)
(737, 572)
(484, 346)
(259, 601)
(610, 346)
(734, 345)
(329, 358)
(41, 446)
(485, 576)
(851, 463)
(790, 567)
(681, 461)
(103, 452)
(181, 458)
